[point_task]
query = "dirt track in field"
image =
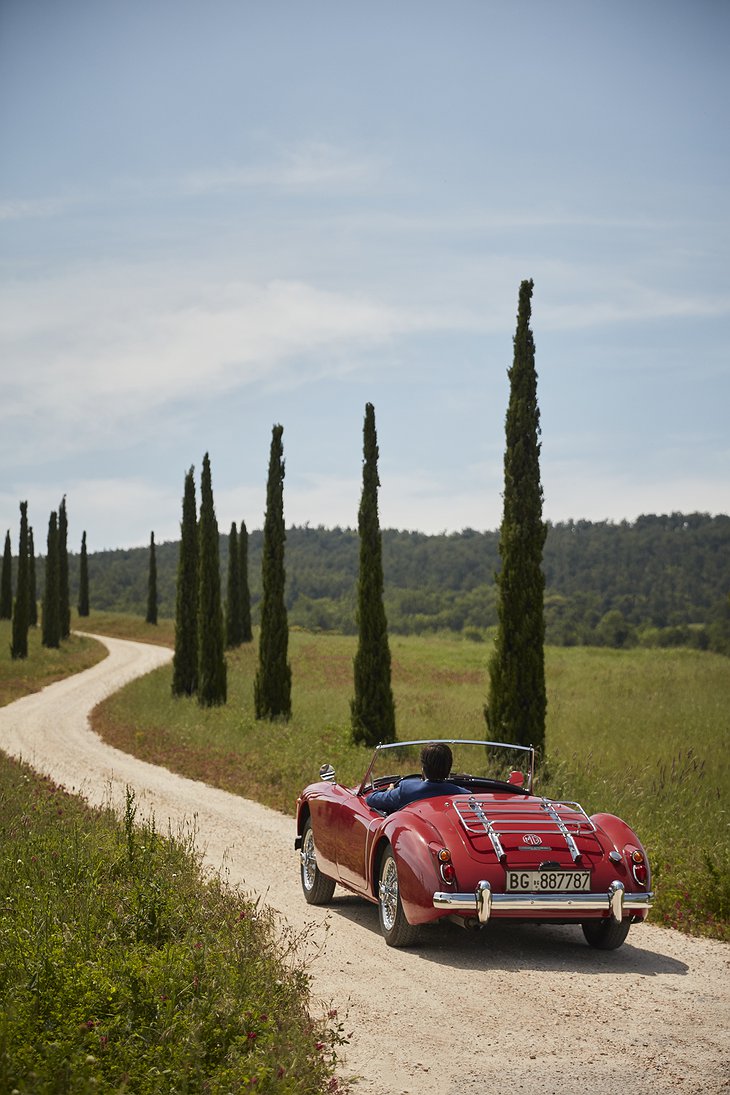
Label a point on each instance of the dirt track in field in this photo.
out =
(522, 1009)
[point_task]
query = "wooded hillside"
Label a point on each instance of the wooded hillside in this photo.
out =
(661, 580)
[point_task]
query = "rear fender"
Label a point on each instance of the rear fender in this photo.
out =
(418, 880)
(624, 841)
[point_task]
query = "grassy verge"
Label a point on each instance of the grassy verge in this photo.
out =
(122, 969)
(640, 733)
(121, 626)
(43, 666)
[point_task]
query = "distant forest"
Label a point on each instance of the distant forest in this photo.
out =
(657, 581)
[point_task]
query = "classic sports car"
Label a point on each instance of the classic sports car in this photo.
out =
(497, 851)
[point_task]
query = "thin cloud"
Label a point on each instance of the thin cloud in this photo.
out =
(20, 209)
(313, 166)
(104, 349)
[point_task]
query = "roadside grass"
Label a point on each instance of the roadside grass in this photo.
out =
(123, 969)
(639, 733)
(43, 666)
(119, 625)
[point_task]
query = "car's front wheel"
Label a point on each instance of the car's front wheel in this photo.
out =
(393, 924)
(606, 935)
(317, 887)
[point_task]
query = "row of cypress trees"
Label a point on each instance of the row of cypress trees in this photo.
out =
(199, 663)
(56, 618)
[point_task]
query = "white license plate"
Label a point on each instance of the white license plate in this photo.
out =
(548, 881)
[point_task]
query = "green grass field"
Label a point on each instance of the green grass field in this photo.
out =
(640, 733)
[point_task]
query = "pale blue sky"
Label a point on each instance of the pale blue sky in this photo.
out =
(217, 215)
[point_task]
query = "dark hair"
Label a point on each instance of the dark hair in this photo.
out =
(436, 760)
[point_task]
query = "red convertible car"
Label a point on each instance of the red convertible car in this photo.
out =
(492, 849)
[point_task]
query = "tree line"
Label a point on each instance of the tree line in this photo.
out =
(667, 575)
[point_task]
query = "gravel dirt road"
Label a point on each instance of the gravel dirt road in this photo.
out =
(520, 1009)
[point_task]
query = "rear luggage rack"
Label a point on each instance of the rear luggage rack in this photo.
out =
(541, 817)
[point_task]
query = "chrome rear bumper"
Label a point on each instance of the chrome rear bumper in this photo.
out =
(484, 903)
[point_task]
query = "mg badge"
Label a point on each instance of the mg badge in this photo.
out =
(532, 839)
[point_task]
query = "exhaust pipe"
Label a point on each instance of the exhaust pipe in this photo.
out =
(469, 923)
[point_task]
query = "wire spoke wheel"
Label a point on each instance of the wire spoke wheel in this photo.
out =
(317, 887)
(388, 892)
(393, 924)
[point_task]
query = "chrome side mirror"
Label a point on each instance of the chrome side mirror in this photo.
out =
(327, 773)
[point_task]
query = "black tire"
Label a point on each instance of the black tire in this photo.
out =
(317, 887)
(606, 935)
(396, 930)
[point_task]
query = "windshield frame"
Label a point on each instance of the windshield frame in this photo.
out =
(520, 751)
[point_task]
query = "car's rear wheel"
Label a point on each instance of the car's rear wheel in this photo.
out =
(317, 887)
(606, 935)
(393, 924)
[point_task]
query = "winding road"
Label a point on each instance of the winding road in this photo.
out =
(520, 1009)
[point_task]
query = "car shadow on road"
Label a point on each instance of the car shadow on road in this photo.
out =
(504, 946)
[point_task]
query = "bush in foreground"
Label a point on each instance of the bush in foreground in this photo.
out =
(121, 969)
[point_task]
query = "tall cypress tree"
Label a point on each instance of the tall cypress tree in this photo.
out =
(372, 709)
(233, 591)
(246, 632)
(185, 660)
(19, 647)
(6, 581)
(151, 617)
(51, 601)
(272, 687)
(33, 606)
(517, 704)
(212, 672)
(64, 599)
(83, 604)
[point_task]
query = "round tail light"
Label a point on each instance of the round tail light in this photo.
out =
(447, 872)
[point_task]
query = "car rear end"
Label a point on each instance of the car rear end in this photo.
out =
(538, 859)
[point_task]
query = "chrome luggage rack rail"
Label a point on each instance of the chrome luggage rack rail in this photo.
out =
(481, 816)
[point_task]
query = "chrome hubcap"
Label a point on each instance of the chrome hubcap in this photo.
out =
(309, 861)
(388, 893)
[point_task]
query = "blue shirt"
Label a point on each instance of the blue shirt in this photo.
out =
(411, 789)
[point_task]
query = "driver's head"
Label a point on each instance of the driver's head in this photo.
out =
(436, 760)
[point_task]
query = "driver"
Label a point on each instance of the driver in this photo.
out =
(436, 761)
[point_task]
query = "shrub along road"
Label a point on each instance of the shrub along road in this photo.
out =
(525, 1008)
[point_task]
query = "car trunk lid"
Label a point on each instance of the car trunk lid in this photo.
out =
(527, 830)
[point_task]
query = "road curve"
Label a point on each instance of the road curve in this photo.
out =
(521, 1009)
